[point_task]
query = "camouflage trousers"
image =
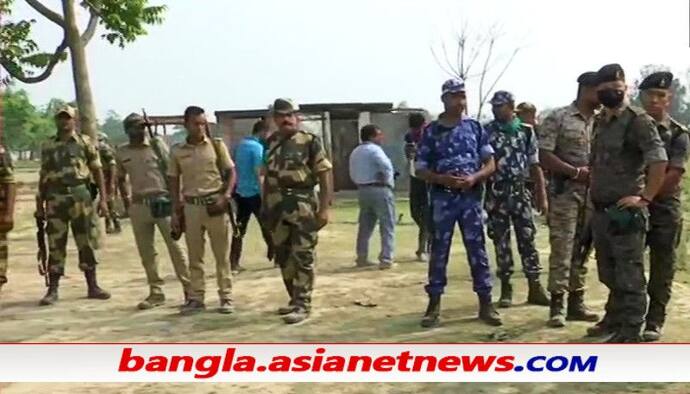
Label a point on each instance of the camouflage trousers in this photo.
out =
(565, 275)
(3, 258)
(663, 238)
(512, 204)
(294, 235)
(464, 209)
(420, 212)
(75, 211)
(621, 269)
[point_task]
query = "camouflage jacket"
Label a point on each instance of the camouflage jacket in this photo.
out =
(292, 167)
(67, 163)
(107, 155)
(6, 168)
(514, 152)
(676, 142)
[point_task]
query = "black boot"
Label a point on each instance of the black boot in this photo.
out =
(487, 312)
(536, 294)
(433, 311)
(116, 224)
(95, 292)
(51, 296)
(603, 328)
(577, 309)
(506, 300)
(556, 315)
(108, 226)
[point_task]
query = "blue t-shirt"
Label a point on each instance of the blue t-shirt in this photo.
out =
(249, 156)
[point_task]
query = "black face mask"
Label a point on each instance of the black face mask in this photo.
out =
(610, 98)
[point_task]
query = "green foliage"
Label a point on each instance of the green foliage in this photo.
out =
(112, 127)
(126, 20)
(25, 126)
(122, 20)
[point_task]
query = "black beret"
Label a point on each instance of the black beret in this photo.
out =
(588, 78)
(610, 73)
(657, 80)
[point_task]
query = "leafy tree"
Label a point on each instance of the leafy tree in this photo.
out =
(123, 21)
(112, 127)
(24, 127)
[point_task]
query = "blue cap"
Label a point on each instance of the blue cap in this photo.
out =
(453, 86)
(502, 97)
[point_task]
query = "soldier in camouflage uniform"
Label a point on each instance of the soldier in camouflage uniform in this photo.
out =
(454, 156)
(564, 146)
(68, 162)
(507, 198)
(628, 167)
(8, 194)
(107, 154)
(295, 163)
(665, 214)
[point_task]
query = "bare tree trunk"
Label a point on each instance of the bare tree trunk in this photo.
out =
(80, 71)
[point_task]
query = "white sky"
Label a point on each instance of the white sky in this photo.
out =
(224, 54)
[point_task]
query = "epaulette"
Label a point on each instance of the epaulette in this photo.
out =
(637, 110)
(679, 125)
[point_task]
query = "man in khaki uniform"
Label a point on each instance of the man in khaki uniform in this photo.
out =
(564, 149)
(201, 177)
(143, 160)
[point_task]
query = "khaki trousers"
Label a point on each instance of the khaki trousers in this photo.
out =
(143, 226)
(197, 223)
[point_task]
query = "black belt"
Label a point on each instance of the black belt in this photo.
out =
(291, 191)
(64, 189)
(146, 200)
(202, 200)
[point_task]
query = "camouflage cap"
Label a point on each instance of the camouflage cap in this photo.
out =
(453, 86)
(610, 73)
(525, 107)
(588, 78)
(285, 106)
(502, 97)
(66, 109)
(133, 119)
(657, 80)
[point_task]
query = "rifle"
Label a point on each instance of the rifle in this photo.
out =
(226, 178)
(584, 238)
(42, 255)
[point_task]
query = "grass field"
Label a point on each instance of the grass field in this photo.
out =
(398, 295)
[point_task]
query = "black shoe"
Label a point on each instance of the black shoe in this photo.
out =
(537, 294)
(556, 315)
(51, 296)
(620, 337)
(117, 228)
(487, 312)
(286, 310)
(506, 299)
(432, 316)
(577, 309)
(95, 292)
(365, 264)
(603, 328)
(651, 333)
(192, 307)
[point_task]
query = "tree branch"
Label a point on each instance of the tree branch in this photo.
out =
(510, 60)
(54, 60)
(90, 28)
(482, 97)
(47, 12)
(440, 65)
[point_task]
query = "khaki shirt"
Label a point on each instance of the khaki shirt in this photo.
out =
(68, 163)
(567, 133)
(197, 165)
(141, 164)
(623, 147)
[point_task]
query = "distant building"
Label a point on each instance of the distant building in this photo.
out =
(338, 125)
